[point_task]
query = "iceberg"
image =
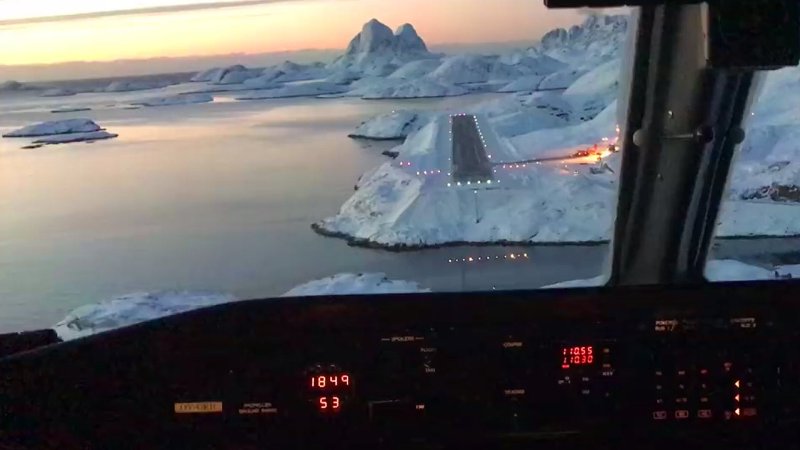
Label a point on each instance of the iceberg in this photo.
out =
(55, 127)
(355, 283)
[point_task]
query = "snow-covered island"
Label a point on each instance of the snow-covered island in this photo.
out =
(62, 132)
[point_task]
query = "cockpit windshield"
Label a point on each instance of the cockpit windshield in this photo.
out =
(166, 155)
(757, 234)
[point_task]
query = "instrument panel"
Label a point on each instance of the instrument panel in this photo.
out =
(656, 366)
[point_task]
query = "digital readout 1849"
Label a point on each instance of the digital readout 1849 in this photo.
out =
(577, 356)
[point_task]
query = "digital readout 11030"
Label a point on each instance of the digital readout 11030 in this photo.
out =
(579, 355)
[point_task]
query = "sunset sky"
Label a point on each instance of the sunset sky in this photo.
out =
(52, 31)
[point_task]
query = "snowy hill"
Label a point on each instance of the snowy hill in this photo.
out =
(599, 38)
(376, 50)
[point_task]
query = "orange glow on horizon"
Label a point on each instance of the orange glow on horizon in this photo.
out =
(281, 26)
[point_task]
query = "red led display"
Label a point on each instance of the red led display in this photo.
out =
(330, 382)
(329, 403)
(577, 356)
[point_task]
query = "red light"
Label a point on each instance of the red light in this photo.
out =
(577, 355)
(329, 382)
(329, 403)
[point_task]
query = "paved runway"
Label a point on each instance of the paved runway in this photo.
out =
(470, 161)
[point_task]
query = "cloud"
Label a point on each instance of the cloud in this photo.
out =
(139, 11)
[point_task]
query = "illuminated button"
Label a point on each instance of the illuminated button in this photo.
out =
(704, 414)
(737, 411)
(737, 383)
(749, 412)
(682, 414)
(659, 415)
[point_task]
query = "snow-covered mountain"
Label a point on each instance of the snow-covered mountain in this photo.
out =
(599, 38)
(378, 51)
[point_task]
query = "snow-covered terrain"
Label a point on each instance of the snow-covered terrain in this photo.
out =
(413, 202)
(308, 89)
(139, 307)
(381, 64)
(352, 283)
(217, 74)
(58, 92)
(377, 51)
(554, 178)
(716, 270)
(69, 109)
(133, 308)
(423, 88)
(12, 86)
(731, 270)
(61, 132)
(55, 127)
(126, 86)
(76, 137)
(289, 71)
(186, 99)
(394, 125)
